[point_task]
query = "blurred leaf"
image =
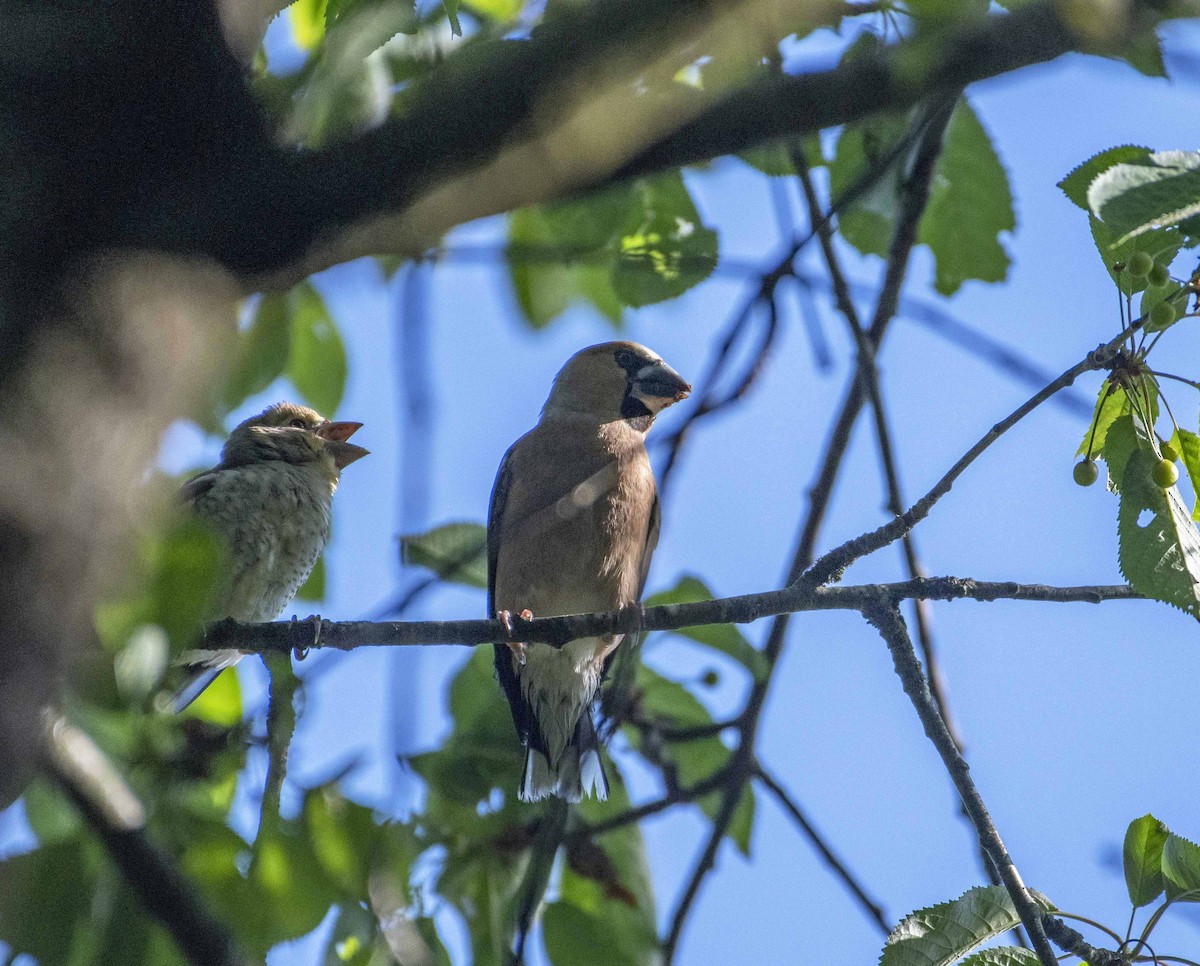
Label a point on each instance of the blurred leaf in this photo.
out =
(970, 204)
(1161, 557)
(1181, 869)
(868, 222)
(308, 23)
(140, 665)
(456, 552)
(1143, 52)
(186, 565)
(314, 587)
(1144, 840)
(725, 638)
(221, 702)
(353, 938)
(45, 901)
(451, 7)
(317, 362)
(671, 703)
(51, 817)
(942, 934)
(502, 11)
(665, 248)
(1160, 191)
(262, 351)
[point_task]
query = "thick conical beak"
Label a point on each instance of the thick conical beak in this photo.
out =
(659, 381)
(338, 432)
(345, 453)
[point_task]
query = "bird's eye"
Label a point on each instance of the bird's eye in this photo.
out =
(298, 423)
(626, 359)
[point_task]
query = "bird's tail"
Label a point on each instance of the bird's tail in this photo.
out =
(577, 773)
(203, 668)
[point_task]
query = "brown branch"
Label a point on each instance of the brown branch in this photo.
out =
(869, 905)
(115, 817)
(282, 636)
(887, 619)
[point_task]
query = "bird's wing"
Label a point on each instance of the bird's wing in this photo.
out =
(650, 544)
(503, 656)
(197, 486)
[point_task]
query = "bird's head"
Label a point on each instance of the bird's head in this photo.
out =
(294, 434)
(616, 380)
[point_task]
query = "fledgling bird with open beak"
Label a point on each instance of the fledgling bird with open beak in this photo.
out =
(573, 523)
(269, 502)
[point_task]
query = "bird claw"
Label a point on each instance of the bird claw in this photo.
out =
(505, 618)
(301, 652)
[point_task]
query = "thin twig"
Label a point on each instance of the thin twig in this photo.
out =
(869, 905)
(281, 725)
(888, 620)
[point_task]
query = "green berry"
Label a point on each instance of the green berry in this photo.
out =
(1165, 473)
(1086, 472)
(1159, 276)
(1169, 452)
(1162, 315)
(1139, 264)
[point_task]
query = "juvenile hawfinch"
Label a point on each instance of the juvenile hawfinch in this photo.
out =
(573, 522)
(268, 501)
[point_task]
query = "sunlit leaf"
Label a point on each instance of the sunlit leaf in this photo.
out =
(1075, 185)
(307, 18)
(1143, 850)
(1188, 445)
(1181, 869)
(1160, 191)
(942, 934)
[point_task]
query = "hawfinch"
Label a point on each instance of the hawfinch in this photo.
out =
(268, 501)
(573, 522)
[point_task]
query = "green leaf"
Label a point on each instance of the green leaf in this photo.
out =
(48, 813)
(1075, 185)
(502, 11)
(220, 703)
(45, 901)
(775, 160)
(1143, 52)
(1109, 406)
(1181, 869)
(665, 249)
(1144, 840)
(1160, 558)
(725, 638)
(1162, 245)
(308, 23)
(262, 351)
(313, 587)
(456, 552)
(1188, 445)
(1161, 191)
(353, 938)
(672, 704)
(942, 934)
(868, 223)
(317, 361)
(1002, 956)
(186, 565)
(970, 204)
(451, 8)
(606, 900)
